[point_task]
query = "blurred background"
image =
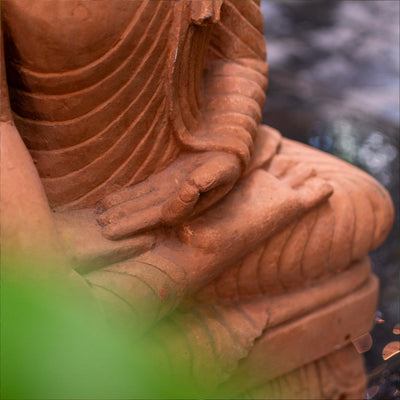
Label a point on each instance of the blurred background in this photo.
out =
(334, 84)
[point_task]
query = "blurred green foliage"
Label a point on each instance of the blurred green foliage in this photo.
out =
(55, 346)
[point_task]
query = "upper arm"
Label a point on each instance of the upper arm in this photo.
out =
(26, 218)
(5, 111)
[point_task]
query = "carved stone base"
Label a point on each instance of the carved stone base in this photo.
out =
(311, 357)
(339, 375)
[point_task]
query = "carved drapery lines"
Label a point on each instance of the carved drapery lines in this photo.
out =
(338, 375)
(86, 152)
(77, 79)
(321, 234)
(116, 144)
(94, 134)
(122, 172)
(60, 109)
(63, 133)
(205, 131)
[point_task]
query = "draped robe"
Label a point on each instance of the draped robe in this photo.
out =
(96, 125)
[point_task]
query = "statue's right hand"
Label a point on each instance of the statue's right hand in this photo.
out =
(186, 188)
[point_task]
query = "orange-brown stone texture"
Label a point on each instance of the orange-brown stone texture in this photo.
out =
(132, 151)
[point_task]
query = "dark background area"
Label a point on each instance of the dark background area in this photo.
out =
(334, 84)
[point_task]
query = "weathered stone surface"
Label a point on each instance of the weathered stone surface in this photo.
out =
(132, 151)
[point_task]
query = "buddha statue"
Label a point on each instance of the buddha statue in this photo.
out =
(133, 151)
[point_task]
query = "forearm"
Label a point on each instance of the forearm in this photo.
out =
(236, 77)
(234, 100)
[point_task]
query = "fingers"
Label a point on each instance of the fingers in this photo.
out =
(298, 175)
(314, 191)
(301, 177)
(130, 193)
(129, 207)
(217, 172)
(146, 219)
(181, 204)
(206, 185)
(145, 207)
(207, 199)
(280, 165)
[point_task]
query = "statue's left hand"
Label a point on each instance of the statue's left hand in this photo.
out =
(190, 185)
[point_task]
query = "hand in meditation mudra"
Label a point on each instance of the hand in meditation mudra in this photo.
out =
(132, 148)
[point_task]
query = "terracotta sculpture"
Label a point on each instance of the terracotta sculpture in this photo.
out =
(132, 150)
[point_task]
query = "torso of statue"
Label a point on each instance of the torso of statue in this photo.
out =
(88, 92)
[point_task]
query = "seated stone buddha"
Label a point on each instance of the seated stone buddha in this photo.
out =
(132, 147)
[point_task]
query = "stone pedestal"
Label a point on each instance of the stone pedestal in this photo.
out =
(312, 356)
(339, 375)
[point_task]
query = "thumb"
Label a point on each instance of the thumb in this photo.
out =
(181, 204)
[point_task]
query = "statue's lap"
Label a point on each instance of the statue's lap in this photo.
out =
(320, 244)
(311, 248)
